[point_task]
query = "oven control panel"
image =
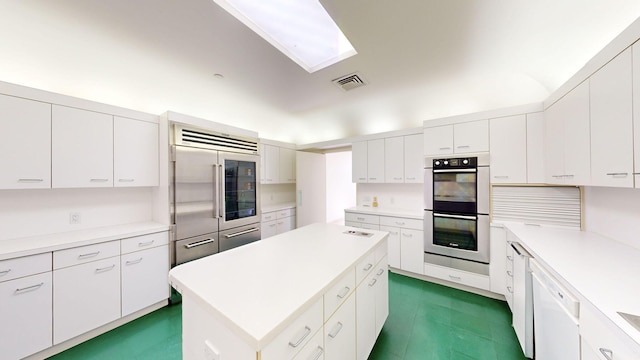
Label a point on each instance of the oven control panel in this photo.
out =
(455, 163)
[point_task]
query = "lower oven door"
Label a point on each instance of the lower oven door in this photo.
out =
(459, 236)
(195, 248)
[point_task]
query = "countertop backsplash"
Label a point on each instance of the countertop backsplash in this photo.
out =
(398, 196)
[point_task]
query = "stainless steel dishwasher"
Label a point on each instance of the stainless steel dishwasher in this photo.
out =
(555, 314)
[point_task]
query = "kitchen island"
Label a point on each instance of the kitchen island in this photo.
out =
(320, 290)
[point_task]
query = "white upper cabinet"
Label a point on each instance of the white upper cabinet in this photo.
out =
(636, 113)
(394, 159)
(413, 158)
(508, 149)
(535, 148)
(26, 147)
(375, 161)
(81, 147)
(271, 169)
(612, 123)
(287, 162)
(359, 162)
(135, 153)
(471, 137)
(567, 150)
(438, 140)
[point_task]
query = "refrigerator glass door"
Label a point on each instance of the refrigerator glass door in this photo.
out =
(240, 190)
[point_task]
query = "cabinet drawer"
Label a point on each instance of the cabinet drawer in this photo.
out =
(364, 267)
(362, 218)
(294, 337)
(24, 266)
(457, 276)
(314, 350)
(599, 335)
(401, 222)
(269, 216)
(85, 254)
(285, 213)
(144, 242)
(338, 293)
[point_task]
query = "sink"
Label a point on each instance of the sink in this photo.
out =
(631, 319)
(358, 233)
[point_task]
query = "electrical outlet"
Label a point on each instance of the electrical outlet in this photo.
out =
(210, 352)
(74, 218)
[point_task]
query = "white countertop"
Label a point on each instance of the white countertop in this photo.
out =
(603, 271)
(405, 213)
(257, 288)
(277, 207)
(12, 248)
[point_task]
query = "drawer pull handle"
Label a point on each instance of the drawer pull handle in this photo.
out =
(501, 177)
(133, 262)
(458, 278)
(305, 333)
(510, 289)
(510, 258)
(85, 256)
(463, 146)
(411, 178)
(344, 292)
(199, 243)
(445, 148)
(608, 354)
(407, 235)
(104, 269)
(30, 180)
(373, 282)
(126, 180)
(617, 174)
(317, 353)
(380, 271)
(98, 180)
(399, 222)
(142, 244)
(336, 329)
(359, 218)
(373, 178)
(509, 273)
(5, 272)
(29, 288)
(397, 178)
(367, 267)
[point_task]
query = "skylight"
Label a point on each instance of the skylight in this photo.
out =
(300, 29)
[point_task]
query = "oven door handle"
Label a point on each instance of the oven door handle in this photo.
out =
(463, 217)
(455, 170)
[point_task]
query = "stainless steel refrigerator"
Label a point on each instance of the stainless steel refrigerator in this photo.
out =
(215, 192)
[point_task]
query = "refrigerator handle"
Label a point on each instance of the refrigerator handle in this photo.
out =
(216, 189)
(220, 192)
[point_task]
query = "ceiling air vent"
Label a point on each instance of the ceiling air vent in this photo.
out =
(350, 81)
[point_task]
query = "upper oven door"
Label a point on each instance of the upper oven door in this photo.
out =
(455, 190)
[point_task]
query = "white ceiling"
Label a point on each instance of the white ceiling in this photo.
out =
(422, 58)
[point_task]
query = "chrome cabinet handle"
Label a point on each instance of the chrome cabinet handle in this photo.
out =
(133, 262)
(105, 268)
(510, 289)
(397, 178)
(407, 235)
(85, 256)
(509, 273)
(98, 180)
(445, 148)
(411, 178)
(373, 282)
(531, 224)
(399, 222)
(344, 292)
(336, 329)
(5, 272)
(458, 278)
(317, 353)
(28, 288)
(367, 267)
(614, 174)
(126, 180)
(142, 244)
(510, 258)
(463, 146)
(199, 243)
(241, 233)
(607, 353)
(373, 178)
(30, 180)
(501, 177)
(380, 271)
(360, 218)
(305, 333)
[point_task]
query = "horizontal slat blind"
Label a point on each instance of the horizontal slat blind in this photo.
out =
(544, 205)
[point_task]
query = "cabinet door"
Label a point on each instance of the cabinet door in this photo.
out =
(413, 158)
(269, 229)
(25, 315)
(636, 113)
(577, 146)
(85, 297)
(82, 148)
(272, 164)
(366, 316)
(375, 161)
(554, 143)
(135, 153)
(144, 278)
(393, 242)
(535, 148)
(394, 160)
(285, 224)
(508, 150)
(438, 140)
(497, 265)
(287, 165)
(263, 168)
(359, 162)
(340, 332)
(381, 289)
(412, 250)
(471, 137)
(26, 148)
(612, 123)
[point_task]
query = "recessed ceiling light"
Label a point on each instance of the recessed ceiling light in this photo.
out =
(301, 29)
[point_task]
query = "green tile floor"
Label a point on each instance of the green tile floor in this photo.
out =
(426, 321)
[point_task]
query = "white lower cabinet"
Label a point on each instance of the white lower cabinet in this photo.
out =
(372, 308)
(144, 278)
(498, 264)
(340, 332)
(85, 297)
(25, 315)
(314, 350)
(599, 341)
(278, 222)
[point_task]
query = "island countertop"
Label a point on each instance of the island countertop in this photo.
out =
(257, 288)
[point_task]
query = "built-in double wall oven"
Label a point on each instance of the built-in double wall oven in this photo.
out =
(456, 199)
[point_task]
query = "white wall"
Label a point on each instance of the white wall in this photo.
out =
(614, 213)
(341, 192)
(38, 212)
(398, 196)
(273, 194)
